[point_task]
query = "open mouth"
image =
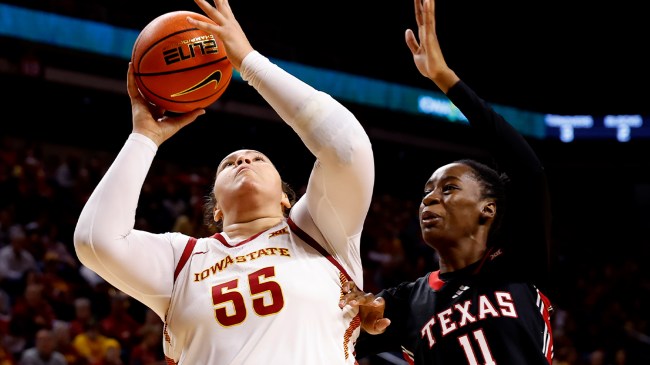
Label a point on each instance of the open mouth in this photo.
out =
(428, 216)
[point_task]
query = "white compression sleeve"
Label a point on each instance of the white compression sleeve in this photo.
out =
(340, 187)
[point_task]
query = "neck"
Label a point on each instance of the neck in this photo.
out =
(461, 255)
(239, 231)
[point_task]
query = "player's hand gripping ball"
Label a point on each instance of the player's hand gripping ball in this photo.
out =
(178, 67)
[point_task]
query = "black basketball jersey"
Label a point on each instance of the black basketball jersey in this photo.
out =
(465, 317)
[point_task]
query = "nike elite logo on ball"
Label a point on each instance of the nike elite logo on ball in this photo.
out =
(214, 78)
(188, 49)
(178, 67)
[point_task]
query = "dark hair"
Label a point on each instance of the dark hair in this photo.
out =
(211, 203)
(493, 186)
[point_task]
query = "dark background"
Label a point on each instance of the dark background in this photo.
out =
(553, 57)
(558, 57)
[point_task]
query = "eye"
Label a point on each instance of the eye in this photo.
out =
(227, 164)
(258, 158)
(426, 192)
(447, 188)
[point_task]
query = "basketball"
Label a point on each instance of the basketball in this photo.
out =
(178, 67)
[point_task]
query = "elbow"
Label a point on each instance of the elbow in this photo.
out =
(82, 242)
(359, 151)
(353, 145)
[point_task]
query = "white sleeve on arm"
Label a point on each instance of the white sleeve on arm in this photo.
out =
(141, 264)
(341, 184)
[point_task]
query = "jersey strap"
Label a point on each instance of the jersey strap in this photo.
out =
(312, 242)
(187, 252)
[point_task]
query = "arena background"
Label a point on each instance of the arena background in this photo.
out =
(552, 58)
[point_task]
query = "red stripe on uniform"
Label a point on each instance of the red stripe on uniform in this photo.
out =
(187, 252)
(547, 319)
(312, 242)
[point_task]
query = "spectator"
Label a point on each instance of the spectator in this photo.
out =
(83, 316)
(95, 347)
(44, 352)
(64, 344)
(148, 351)
(15, 261)
(119, 323)
(31, 313)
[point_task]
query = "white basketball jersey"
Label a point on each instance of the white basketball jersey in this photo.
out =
(239, 302)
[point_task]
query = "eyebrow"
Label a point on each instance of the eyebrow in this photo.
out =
(256, 152)
(445, 178)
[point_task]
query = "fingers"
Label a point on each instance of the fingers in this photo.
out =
(131, 86)
(224, 4)
(348, 286)
(359, 298)
(428, 16)
(379, 326)
(411, 41)
(213, 12)
(208, 9)
(418, 11)
(353, 296)
(429, 7)
(184, 119)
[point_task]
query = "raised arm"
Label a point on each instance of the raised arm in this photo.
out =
(527, 221)
(139, 263)
(340, 187)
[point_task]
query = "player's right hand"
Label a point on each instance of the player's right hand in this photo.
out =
(151, 121)
(371, 308)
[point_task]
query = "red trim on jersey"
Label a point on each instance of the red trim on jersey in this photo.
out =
(187, 252)
(356, 323)
(408, 358)
(434, 280)
(312, 242)
(485, 257)
(547, 319)
(225, 243)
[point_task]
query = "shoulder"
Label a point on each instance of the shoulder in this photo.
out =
(405, 289)
(30, 354)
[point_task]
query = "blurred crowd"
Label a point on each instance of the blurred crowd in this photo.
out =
(53, 310)
(52, 307)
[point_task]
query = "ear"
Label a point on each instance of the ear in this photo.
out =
(218, 214)
(488, 211)
(285, 203)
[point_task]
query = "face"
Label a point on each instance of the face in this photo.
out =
(452, 208)
(249, 186)
(45, 342)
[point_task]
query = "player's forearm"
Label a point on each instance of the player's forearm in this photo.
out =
(319, 120)
(340, 187)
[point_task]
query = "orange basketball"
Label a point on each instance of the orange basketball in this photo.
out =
(178, 67)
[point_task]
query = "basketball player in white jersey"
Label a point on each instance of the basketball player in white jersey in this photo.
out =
(265, 290)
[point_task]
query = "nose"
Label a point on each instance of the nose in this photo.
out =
(243, 159)
(431, 198)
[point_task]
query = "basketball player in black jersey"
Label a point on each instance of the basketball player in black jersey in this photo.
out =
(485, 305)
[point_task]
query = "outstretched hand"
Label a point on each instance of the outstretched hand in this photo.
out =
(151, 121)
(227, 29)
(427, 54)
(371, 308)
